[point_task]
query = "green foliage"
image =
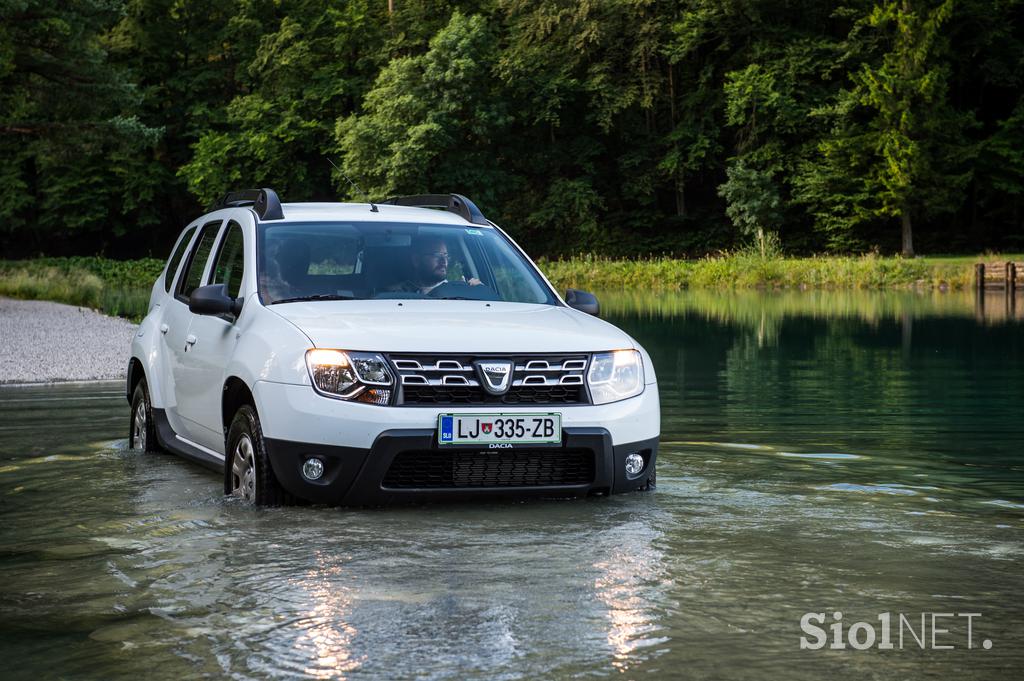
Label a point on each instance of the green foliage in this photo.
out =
(429, 120)
(624, 127)
(68, 121)
(116, 287)
(116, 273)
(752, 197)
(311, 67)
(50, 283)
(894, 127)
(754, 268)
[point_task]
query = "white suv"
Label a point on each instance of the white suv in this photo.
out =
(364, 354)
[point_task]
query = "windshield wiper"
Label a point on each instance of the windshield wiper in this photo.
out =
(319, 296)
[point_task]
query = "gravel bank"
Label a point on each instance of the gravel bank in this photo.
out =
(46, 342)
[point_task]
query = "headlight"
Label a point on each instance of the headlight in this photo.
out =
(614, 376)
(358, 376)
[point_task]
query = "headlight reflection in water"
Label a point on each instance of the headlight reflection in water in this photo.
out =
(625, 582)
(327, 635)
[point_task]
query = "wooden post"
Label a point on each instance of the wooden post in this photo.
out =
(1011, 289)
(979, 291)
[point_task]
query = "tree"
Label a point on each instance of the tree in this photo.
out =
(896, 149)
(431, 120)
(187, 58)
(68, 123)
(310, 67)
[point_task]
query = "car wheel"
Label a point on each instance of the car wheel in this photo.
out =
(247, 471)
(141, 427)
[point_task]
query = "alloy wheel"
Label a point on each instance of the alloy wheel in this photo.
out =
(139, 426)
(243, 470)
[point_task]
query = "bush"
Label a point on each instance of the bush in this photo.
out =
(76, 288)
(756, 266)
(115, 287)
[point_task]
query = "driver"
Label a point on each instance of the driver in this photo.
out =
(429, 266)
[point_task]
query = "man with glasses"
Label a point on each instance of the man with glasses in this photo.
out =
(429, 266)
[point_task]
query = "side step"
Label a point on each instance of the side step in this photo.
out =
(170, 441)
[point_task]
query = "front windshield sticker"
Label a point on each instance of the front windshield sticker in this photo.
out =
(475, 232)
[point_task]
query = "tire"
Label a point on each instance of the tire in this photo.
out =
(652, 480)
(141, 426)
(247, 471)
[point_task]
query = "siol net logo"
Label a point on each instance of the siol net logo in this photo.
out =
(928, 631)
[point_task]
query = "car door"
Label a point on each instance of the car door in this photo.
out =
(211, 341)
(175, 329)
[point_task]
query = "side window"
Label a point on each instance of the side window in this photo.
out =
(230, 262)
(512, 279)
(190, 280)
(172, 264)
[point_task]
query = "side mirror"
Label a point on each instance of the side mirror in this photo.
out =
(582, 301)
(214, 300)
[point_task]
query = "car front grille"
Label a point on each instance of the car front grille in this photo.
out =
(462, 469)
(454, 380)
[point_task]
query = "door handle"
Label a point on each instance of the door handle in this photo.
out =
(190, 340)
(164, 328)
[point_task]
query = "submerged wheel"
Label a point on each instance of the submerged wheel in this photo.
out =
(247, 471)
(652, 480)
(141, 427)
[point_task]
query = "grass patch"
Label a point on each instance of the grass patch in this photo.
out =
(114, 287)
(748, 269)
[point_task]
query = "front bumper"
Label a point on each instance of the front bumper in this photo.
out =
(356, 476)
(296, 413)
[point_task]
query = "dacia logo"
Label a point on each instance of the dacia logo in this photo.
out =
(499, 445)
(495, 375)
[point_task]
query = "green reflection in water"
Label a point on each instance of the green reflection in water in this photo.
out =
(753, 307)
(908, 379)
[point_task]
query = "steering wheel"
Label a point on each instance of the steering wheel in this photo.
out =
(462, 289)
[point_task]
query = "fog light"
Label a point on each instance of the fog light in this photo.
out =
(312, 469)
(634, 464)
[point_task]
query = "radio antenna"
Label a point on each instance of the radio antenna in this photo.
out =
(373, 208)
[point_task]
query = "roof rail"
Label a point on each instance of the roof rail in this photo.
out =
(263, 201)
(453, 203)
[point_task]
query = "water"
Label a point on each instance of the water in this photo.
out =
(821, 452)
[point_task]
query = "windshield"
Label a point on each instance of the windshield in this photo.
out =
(367, 260)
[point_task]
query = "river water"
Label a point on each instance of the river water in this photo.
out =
(821, 453)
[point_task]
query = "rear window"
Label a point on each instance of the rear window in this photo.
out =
(228, 268)
(176, 255)
(192, 277)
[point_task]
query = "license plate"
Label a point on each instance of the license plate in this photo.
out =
(460, 429)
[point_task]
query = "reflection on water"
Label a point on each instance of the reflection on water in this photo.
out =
(821, 452)
(326, 629)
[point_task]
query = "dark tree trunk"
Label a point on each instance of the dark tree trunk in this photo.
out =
(908, 236)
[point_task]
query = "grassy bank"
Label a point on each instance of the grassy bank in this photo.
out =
(115, 287)
(749, 270)
(121, 287)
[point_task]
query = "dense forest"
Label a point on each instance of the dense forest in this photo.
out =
(622, 127)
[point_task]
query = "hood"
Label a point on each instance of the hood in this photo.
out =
(455, 326)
